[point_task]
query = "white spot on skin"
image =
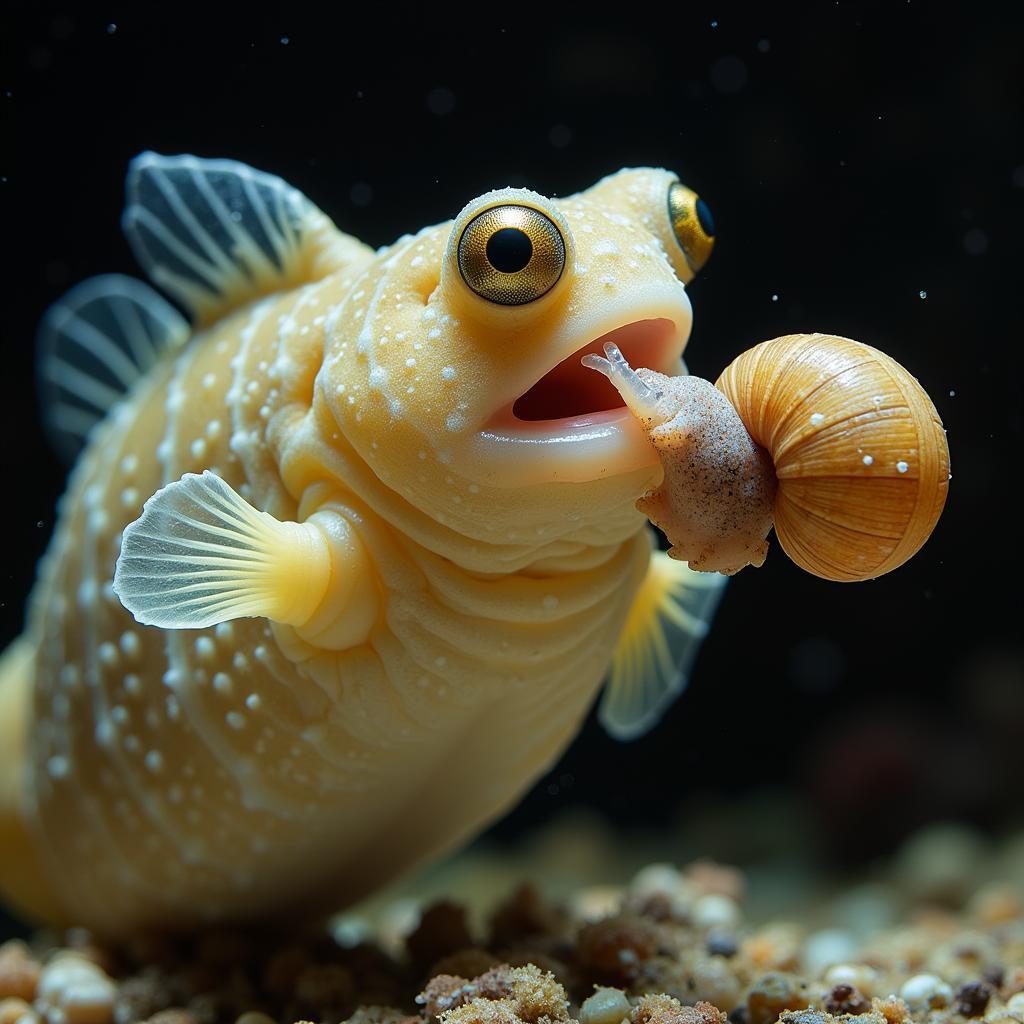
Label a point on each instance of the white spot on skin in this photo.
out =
(129, 464)
(550, 601)
(154, 761)
(901, 466)
(448, 373)
(816, 419)
(130, 644)
(868, 460)
(205, 647)
(455, 421)
(57, 766)
(235, 719)
(222, 683)
(198, 448)
(253, 702)
(378, 376)
(108, 653)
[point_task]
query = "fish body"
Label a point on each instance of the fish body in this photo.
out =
(471, 562)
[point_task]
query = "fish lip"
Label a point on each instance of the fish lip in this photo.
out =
(588, 446)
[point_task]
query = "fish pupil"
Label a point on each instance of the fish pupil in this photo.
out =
(509, 250)
(707, 222)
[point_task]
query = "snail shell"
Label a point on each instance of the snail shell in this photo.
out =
(859, 451)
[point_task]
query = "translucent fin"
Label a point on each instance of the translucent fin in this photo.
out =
(216, 233)
(200, 554)
(668, 620)
(92, 346)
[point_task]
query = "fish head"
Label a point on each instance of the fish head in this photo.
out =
(471, 397)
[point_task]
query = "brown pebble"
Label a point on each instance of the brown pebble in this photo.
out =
(466, 963)
(612, 950)
(442, 930)
(846, 999)
(283, 969)
(19, 971)
(773, 994)
(525, 915)
(972, 999)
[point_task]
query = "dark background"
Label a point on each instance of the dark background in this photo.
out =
(865, 169)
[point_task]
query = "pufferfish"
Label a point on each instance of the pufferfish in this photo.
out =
(342, 565)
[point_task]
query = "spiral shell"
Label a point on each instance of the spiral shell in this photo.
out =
(858, 447)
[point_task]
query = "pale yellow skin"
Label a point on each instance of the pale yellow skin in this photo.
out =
(167, 777)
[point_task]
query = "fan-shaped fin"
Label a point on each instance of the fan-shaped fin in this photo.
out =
(200, 554)
(669, 618)
(93, 345)
(216, 233)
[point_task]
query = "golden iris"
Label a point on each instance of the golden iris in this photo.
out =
(511, 255)
(691, 224)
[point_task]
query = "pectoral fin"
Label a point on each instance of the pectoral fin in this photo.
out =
(669, 618)
(200, 554)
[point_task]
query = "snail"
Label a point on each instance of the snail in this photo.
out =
(828, 439)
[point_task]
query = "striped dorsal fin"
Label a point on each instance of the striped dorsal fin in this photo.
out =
(93, 345)
(214, 234)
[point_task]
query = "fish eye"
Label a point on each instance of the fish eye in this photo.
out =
(692, 225)
(511, 255)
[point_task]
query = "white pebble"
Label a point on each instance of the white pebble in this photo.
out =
(715, 911)
(926, 992)
(73, 990)
(605, 1006)
(859, 976)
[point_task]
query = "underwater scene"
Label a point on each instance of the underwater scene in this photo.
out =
(513, 516)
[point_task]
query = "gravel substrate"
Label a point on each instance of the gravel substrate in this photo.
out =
(671, 947)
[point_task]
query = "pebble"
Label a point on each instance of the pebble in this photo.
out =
(19, 972)
(73, 990)
(715, 911)
(17, 1011)
(605, 1006)
(926, 991)
(859, 976)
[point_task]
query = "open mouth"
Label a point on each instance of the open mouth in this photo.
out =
(575, 395)
(570, 423)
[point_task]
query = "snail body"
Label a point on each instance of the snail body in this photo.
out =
(831, 440)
